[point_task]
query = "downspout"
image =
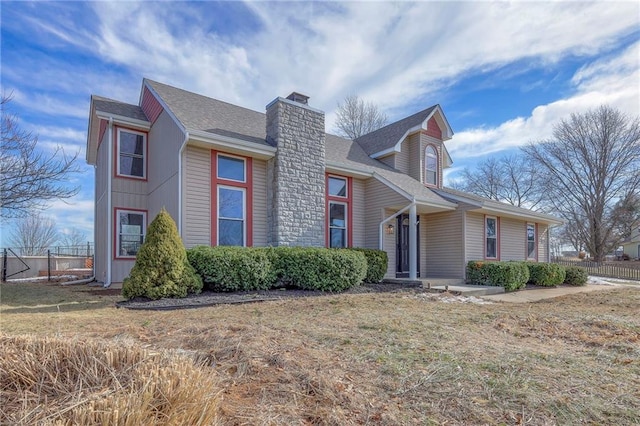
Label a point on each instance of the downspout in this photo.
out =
(107, 281)
(180, 154)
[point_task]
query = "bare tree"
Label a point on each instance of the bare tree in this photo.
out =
(73, 238)
(592, 161)
(33, 234)
(356, 117)
(29, 178)
(626, 215)
(511, 179)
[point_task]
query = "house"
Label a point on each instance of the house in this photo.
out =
(631, 245)
(232, 176)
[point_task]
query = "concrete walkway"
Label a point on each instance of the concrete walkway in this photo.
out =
(533, 295)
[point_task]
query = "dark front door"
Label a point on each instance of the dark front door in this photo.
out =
(402, 246)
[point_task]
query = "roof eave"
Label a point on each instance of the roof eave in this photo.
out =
(234, 144)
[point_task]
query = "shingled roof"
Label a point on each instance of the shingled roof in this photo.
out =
(111, 106)
(198, 112)
(388, 136)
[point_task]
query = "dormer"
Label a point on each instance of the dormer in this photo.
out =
(413, 145)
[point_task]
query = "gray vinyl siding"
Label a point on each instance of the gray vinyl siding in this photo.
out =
(542, 236)
(403, 157)
(443, 253)
(165, 140)
(412, 146)
(378, 196)
(389, 160)
(197, 207)
(101, 226)
(474, 241)
(512, 239)
(358, 209)
(259, 203)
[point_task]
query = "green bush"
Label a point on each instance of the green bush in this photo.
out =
(575, 276)
(377, 261)
(319, 268)
(233, 268)
(161, 268)
(546, 274)
(510, 275)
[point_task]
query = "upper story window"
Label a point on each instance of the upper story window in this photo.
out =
(132, 225)
(132, 150)
(430, 165)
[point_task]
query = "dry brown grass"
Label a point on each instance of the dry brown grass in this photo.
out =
(390, 359)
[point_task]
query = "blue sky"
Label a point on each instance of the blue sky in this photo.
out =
(503, 73)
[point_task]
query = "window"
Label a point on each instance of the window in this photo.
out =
(430, 165)
(338, 211)
(231, 214)
(337, 225)
(491, 238)
(131, 228)
(231, 200)
(231, 168)
(531, 241)
(132, 148)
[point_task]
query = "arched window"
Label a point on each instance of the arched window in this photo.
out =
(430, 165)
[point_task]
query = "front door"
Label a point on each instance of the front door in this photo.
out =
(402, 246)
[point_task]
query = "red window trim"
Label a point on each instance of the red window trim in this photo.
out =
(247, 185)
(526, 240)
(484, 237)
(116, 155)
(438, 170)
(116, 231)
(348, 200)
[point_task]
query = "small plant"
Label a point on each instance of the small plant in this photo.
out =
(161, 268)
(575, 276)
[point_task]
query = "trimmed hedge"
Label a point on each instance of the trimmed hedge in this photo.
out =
(322, 269)
(546, 274)
(233, 268)
(510, 275)
(575, 276)
(377, 261)
(262, 268)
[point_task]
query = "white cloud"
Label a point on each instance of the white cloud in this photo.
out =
(613, 80)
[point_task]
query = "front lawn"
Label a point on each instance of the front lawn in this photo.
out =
(388, 359)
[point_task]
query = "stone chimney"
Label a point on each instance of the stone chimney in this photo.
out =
(295, 177)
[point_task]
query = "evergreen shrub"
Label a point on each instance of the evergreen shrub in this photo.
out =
(575, 276)
(546, 274)
(161, 269)
(511, 275)
(233, 268)
(377, 261)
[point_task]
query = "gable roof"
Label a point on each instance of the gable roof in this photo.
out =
(388, 138)
(497, 207)
(198, 113)
(102, 108)
(350, 155)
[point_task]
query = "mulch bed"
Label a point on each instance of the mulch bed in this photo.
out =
(210, 298)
